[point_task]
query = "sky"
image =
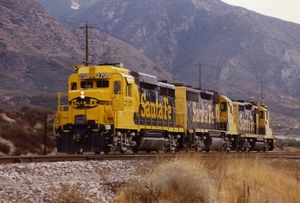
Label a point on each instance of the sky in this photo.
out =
(284, 9)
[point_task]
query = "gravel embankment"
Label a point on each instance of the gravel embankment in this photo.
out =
(97, 181)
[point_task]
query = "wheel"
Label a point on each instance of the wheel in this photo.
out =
(106, 151)
(80, 151)
(246, 146)
(225, 148)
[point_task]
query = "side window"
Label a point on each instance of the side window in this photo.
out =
(73, 86)
(117, 87)
(223, 106)
(128, 90)
(102, 83)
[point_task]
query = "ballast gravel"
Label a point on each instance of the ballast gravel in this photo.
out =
(96, 181)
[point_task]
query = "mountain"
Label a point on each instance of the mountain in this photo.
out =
(232, 43)
(37, 52)
(238, 48)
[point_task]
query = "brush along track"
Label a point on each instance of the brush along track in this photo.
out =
(87, 157)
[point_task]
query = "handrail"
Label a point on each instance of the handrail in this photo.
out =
(105, 117)
(62, 108)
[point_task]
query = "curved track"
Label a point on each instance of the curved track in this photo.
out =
(87, 157)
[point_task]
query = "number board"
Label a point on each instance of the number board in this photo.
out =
(103, 75)
(83, 75)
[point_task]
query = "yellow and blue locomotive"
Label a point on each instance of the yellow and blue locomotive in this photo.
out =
(111, 108)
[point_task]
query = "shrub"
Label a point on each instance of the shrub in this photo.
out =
(179, 181)
(4, 148)
(32, 115)
(287, 143)
(70, 194)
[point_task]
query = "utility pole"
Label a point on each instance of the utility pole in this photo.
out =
(200, 74)
(261, 91)
(45, 132)
(86, 28)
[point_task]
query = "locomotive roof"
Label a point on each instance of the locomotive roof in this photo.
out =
(100, 68)
(166, 85)
(226, 98)
(146, 78)
(196, 90)
(242, 103)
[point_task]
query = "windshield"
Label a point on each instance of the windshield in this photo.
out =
(94, 84)
(86, 84)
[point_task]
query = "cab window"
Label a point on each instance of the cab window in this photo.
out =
(86, 84)
(192, 96)
(261, 114)
(128, 90)
(102, 83)
(117, 87)
(223, 106)
(73, 86)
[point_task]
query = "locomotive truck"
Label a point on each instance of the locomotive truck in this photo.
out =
(111, 108)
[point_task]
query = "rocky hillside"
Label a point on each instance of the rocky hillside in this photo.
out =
(232, 43)
(237, 47)
(37, 52)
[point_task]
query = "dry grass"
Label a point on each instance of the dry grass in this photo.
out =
(69, 194)
(224, 179)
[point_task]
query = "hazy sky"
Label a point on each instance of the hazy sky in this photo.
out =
(284, 9)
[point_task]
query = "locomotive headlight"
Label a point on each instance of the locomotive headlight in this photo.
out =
(107, 127)
(82, 94)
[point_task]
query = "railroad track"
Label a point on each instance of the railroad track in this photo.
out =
(89, 157)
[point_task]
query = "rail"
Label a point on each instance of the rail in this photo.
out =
(101, 157)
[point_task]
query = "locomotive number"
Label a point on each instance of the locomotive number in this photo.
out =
(83, 75)
(103, 75)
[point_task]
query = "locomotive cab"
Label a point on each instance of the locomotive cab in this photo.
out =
(91, 94)
(264, 126)
(95, 96)
(226, 115)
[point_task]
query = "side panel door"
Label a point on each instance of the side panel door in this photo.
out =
(128, 112)
(118, 92)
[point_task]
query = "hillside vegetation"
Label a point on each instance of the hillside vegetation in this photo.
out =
(22, 132)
